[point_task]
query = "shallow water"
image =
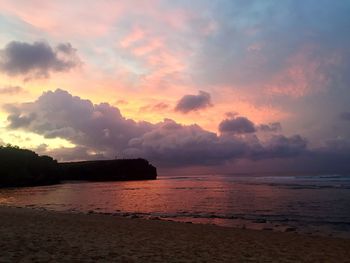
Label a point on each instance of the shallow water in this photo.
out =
(318, 205)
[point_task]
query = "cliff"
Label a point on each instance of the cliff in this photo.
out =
(20, 167)
(109, 170)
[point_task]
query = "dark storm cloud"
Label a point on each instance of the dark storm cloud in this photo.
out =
(171, 143)
(271, 127)
(336, 145)
(100, 131)
(37, 59)
(238, 125)
(332, 157)
(281, 146)
(345, 116)
(11, 90)
(193, 102)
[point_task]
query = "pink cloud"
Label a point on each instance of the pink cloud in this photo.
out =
(177, 19)
(148, 47)
(134, 36)
(305, 74)
(66, 17)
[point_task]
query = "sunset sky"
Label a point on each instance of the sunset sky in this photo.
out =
(211, 84)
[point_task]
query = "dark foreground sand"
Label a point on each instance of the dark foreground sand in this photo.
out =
(28, 235)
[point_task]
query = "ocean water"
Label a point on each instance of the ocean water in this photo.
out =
(315, 205)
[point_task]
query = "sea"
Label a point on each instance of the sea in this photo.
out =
(312, 205)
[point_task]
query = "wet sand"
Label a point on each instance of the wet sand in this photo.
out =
(29, 235)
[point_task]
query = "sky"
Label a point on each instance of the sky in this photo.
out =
(219, 85)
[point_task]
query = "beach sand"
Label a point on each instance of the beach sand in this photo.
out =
(42, 236)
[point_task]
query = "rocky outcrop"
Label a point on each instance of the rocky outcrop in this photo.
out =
(20, 167)
(109, 170)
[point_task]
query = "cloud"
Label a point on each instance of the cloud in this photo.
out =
(20, 121)
(174, 144)
(161, 106)
(41, 148)
(100, 131)
(237, 125)
(38, 59)
(336, 145)
(59, 114)
(11, 90)
(122, 102)
(241, 125)
(280, 146)
(170, 143)
(194, 102)
(271, 127)
(345, 116)
(77, 153)
(253, 52)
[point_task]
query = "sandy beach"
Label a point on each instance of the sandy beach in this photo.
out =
(29, 235)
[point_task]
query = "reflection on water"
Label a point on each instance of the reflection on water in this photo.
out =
(314, 204)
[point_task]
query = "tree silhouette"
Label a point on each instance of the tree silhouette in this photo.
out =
(20, 167)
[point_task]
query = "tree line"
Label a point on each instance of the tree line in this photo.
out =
(21, 167)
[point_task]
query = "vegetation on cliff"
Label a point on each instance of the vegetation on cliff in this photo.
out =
(19, 167)
(109, 170)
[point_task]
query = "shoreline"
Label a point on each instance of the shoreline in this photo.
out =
(43, 235)
(222, 221)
